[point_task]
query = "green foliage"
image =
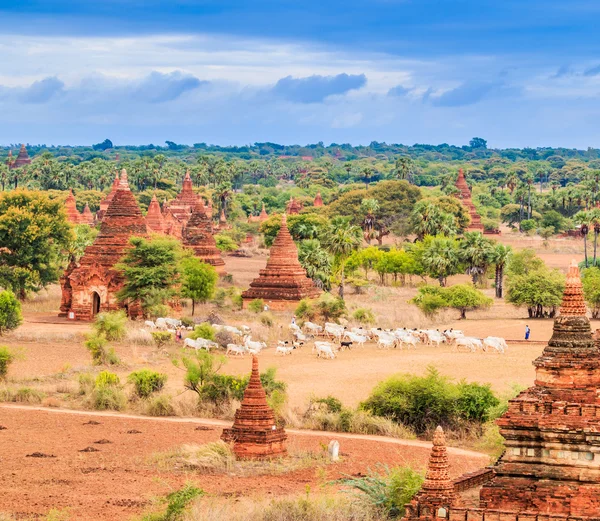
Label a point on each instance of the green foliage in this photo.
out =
(316, 261)
(161, 338)
(463, 297)
(225, 243)
(107, 393)
(267, 319)
(204, 330)
(388, 492)
(7, 357)
(364, 316)
(331, 403)
(554, 220)
(325, 308)
(423, 402)
(524, 262)
(198, 280)
(111, 325)
(33, 232)
(528, 225)
(439, 257)
(147, 382)
(151, 271)
(428, 218)
(10, 312)
(590, 279)
(256, 305)
(177, 504)
(96, 344)
(107, 379)
(159, 406)
(302, 227)
(84, 236)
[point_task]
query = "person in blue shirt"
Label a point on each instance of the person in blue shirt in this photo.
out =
(527, 332)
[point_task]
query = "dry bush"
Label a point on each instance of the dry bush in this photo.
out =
(46, 301)
(139, 337)
(21, 395)
(305, 508)
(48, 337)
(51, 401)
(160, 405)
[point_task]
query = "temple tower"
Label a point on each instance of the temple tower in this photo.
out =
(465, 196)
(318, 202)
(198, 236)
(283, 282)
(255, 434)
(22, 160)
(293, 207)
(87, 217)
(154, 218)
(106, 201)
(73, 214)
(92, 286)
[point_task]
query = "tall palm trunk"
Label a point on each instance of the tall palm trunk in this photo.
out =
(595, 245)
(341, 289)
(529, 203)
(499, 279)
(585, 249)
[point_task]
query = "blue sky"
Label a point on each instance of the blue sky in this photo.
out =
(518, 73)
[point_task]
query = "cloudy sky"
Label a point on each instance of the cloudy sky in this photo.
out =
(516, 72)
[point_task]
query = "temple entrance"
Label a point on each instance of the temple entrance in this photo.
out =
(95, 304)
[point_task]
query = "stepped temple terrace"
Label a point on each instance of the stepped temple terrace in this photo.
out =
(91, 286)
(198, 236)
(550, 470)
(178, 211)
(255, 434)
(106, 201)
(283, 282)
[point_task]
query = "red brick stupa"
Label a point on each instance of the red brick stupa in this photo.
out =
(198, 236)
(550, 470)
(465, 196)
(92, 286)
(22, 160)
(87, 217)
(106, 201)
(283, 282)
(318, 203)
(255, 434)
(293, 207)
(154, 218)
(73, 214)
(178, 211)
(263, 216)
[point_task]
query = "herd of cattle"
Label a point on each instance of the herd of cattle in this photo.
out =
(332, 338)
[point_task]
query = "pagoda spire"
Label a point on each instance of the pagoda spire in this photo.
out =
(154, 217)
(573, 302)
(197, 235)
(437, 478)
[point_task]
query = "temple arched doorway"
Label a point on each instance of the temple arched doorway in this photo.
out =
(95, 304)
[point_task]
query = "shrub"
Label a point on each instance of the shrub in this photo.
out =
(225, 243)
(147, 382)
(161, 338)
(204, 330)
(86, 383)
(256, 305)
(28, 395)
(107, 379)
(390, 491)
(10, 312)
(111, 325)
(7, 357)
(159, 406)
(528, 225)
(331, 403)
(177, 504)
(326, 307)
(96, 345)
(267, 319)
(237, 301)
(187, 322)
(223, 338)
(423, 402)
(364, 316)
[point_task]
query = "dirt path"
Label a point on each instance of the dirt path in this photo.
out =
(99, 465)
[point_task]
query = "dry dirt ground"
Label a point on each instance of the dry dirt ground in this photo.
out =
(119, 477)
(118, 480)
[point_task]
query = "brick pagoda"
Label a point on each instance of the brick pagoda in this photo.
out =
(293, 207)
(465, 196)
(318, 202)
(283, 282)
(255, 434)
(550, 470)
(178, 211)
(198, 236)
(73, 214)
(87, 217)
(92, 285)
(106, 201)
(263, 216)
(154, 217)
(22, 160)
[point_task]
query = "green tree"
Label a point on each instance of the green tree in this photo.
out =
(462, 297)
(151, 272)
(84, 236)
(500, 257)
(439, 257)
(428, 219)
(590, 279)
(316, 261)
(198, 280)
(341, 238)
(540, 290)
(10, 312)
(583, 218)
(33, 233)
(365, 259)
(476, 253)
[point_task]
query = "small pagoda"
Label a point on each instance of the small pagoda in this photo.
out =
(263, 216)
(198, 236)
(550, 470)
(318, 202)
(106, 201)
(87, 217)
(255, 434)
(283, 282)
(293, 207)
(73, 215)
(22, 160)
(464, 194)
(154, 217)
(178, 211)
(92, 285)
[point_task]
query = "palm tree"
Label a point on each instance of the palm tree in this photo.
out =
(370, 206)
(341, 239)
(476, 252)
(500, 257)
(403, 167)
(594, 217)
(583, 218)
(316, 261)
(529, 180)
(440, 258)
(428, 219)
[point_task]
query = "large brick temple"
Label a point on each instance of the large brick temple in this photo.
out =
(197, 235)
(255, 434)
(550, 470)
(283, 282)
(90, 286)
(22, 159)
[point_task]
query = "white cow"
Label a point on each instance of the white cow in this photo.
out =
(199, 343)
(314, 329)
(150, 324)
(356, 338)
(284, 350)
(495, 342)
(236, 350)
(334, 330)
(471, 343)
(324, 349)
(251, 344)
